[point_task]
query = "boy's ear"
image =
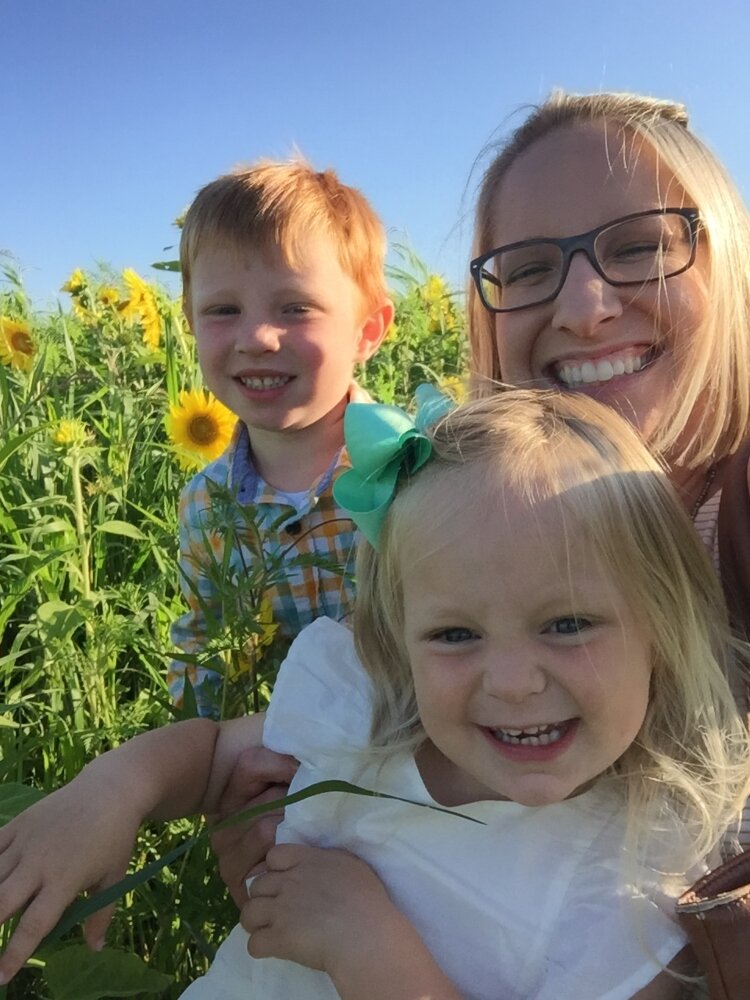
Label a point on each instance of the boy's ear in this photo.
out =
(374, 328)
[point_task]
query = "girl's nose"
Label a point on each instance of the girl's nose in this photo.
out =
(586, 301)
(514, 676)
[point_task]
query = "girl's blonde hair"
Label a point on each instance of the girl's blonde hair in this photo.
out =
(717, 359)
(691, 754)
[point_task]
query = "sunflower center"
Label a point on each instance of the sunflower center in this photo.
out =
(203, 429)
(22, 342)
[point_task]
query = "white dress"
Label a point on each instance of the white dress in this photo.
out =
(531, 903)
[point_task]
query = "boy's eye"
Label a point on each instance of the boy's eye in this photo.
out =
(222, 310)
(568, 625)
(453, 635)
(297, 308)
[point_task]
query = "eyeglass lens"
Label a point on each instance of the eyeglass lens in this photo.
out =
(637, 250)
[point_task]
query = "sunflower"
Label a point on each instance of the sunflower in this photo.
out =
(199, 427)
(17, 347)
(75, 282)
(70, 433)
(141, 307)
(138, 291)
(151, 323)
(108, 296)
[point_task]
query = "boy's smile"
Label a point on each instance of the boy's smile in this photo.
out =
(531, 671)
(278, 343)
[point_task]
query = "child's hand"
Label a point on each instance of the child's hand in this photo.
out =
(80, 837)
(315, 907)
(258, 776)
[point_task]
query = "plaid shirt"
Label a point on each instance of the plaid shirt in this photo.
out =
(316, 528)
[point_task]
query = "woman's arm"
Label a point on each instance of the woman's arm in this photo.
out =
(81, 837)
(667, 986)
(259, 776)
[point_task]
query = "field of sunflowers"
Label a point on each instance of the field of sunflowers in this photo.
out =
(103, 418)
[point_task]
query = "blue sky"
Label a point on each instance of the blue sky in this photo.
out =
(114, 114)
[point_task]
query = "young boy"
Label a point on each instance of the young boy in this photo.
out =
(284, 290)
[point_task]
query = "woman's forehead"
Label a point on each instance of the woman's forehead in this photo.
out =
(576, 178)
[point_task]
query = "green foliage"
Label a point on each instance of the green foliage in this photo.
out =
(89, 584)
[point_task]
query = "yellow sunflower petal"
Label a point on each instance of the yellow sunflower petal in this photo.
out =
(69, 433)
(108, 296)
(75, 282)
(199, 427)
(17, 347)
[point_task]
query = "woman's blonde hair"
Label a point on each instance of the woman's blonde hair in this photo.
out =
(278, 204)
(716, 362)
(691, 754)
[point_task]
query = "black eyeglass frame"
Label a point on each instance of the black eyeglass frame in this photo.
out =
(584, 242)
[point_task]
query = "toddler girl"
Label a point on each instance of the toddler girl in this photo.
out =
(545, 662)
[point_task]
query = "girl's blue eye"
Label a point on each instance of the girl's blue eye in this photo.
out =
(569, 625)
(454, 635)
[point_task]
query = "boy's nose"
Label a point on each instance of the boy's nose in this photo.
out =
(257, 337)
(586, 301)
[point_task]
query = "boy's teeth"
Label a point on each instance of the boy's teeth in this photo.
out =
(599, 371)
(533, 736)
(264, 382)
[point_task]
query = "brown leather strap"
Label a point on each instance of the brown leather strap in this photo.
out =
(734, 539)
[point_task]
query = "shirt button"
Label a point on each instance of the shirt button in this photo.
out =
(294, 528)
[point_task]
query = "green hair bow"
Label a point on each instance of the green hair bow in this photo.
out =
(382, 441)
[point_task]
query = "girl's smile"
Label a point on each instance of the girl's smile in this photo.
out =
(531, 672)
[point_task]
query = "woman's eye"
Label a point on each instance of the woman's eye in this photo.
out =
(569, 625)
(529, 274)
(637, 251)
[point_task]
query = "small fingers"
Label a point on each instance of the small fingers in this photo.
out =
(95, 928)
(257, 915)
(255, 770)
(36, 922)
(245, 856)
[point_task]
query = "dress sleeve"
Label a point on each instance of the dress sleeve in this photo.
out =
(322, 698)
(613, 938)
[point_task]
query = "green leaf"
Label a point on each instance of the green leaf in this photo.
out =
(76, 973)
(12, 446)
(59, 620)
(79, 911)
(121, 528)
(14, 798)
(166, 265)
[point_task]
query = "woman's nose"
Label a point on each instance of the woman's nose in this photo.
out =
(586, 301)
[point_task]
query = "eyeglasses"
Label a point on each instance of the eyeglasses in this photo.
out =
(633, 250)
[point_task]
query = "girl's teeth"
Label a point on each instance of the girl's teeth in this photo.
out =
(534, 736)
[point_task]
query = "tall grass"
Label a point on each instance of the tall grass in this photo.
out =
(89, 582)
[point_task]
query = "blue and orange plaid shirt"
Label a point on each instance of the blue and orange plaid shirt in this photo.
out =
(311, 526)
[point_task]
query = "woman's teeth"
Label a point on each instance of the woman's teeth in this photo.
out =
(533, 736)
(589, 372)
